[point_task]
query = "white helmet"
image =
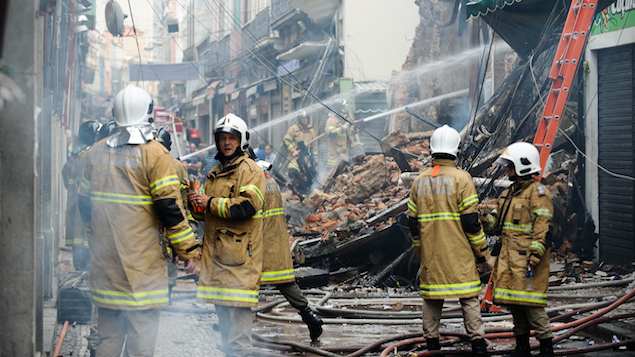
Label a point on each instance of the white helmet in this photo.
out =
(524, 157)
(445, 140)
(133, 107)
(264, 165)
(233, 124)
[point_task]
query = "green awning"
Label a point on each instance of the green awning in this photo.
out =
(484, 7)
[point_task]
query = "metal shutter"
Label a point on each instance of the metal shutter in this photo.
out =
(615, 135)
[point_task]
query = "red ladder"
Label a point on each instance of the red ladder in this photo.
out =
(563, 69)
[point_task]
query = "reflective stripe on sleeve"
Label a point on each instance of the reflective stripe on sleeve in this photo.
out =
(520, 296)
(222, 211)
(537, 247)
(181, 236)
(468, 202)
(120, 198)
(412, 206)
(477, 239)
(224, 294)
(523, 228)
(138, 299)
(432, 290)
(439, 216)
(254, 189)
(542, 212)
(277, 275)
(171, 180)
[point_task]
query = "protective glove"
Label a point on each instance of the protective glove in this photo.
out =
(534, 260)
(198, 201)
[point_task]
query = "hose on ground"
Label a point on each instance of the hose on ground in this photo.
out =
(586, 321)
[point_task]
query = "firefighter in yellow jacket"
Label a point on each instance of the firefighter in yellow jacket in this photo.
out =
(338, 140)
(521, 272)
(442, 213)
(277, 268)
(130, 190)
(232, 249)
(300, 131)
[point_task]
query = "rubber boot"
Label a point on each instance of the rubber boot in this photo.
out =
(433, 344)
(522, 348)
(546, 347)
(313, 322)
(479, 347)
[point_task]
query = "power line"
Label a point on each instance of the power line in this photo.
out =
(136, 38)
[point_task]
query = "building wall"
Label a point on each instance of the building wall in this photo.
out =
(614, 27)
(376, 41)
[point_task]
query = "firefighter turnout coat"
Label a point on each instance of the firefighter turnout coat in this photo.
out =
(439, 197)
(277, 265)
(297, 133)
(232, 249)
(134, 192)
(338, 133)
(524, 232)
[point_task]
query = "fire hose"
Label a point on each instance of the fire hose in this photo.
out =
(584, 322)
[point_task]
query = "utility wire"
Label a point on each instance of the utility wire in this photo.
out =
(136, 38)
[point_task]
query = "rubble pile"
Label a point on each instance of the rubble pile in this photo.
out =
(365, 188)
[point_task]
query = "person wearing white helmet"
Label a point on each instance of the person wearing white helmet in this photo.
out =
(130, 192)
(446, 229)
(302, 131)
(277, 268)
(521, 271)
(231, 263)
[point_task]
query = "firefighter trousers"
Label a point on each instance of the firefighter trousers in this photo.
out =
(471, 317)
(235, 325)
(133, 332)
(293, 294)
(531, 317)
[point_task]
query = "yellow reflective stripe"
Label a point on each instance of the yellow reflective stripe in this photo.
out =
(477, 239)
(224, 294)
(439, 216)
(468, 202)
(524, 228)
(543, 212)
(277, 275)
(110, 197)
(259, 214)
(450, 289)
(183, 235)
(163, 182)
(273, 212)
(538, 247)
(412, 207)
(520, 296)
(143, 298)
(255, 190)
(221, 207)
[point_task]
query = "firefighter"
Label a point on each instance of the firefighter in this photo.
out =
(129, 191)
(277, 268)
(302, 131)
(76, 232)
(338, 134)
(521, 272)
(232, 253)
(444, 219)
